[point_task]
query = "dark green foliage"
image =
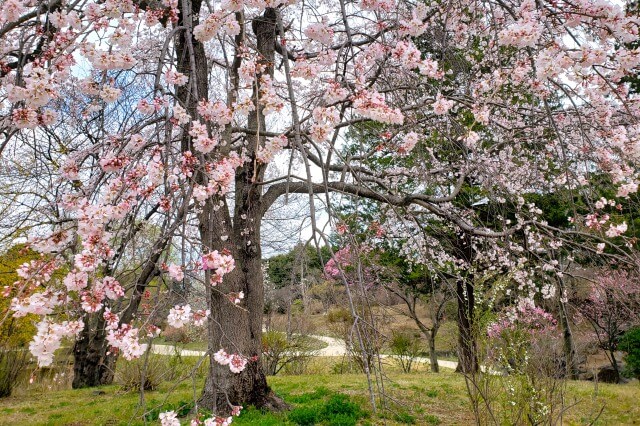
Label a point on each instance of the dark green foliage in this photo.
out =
(630, 344)
(336, 410)
(284, 269)
(304, 416)
(341, 411)
(255, 417)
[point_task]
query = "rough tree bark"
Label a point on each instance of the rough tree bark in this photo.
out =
(567, 335)
(467, 344)
(233, 328)
(92, 366)
(93, 363)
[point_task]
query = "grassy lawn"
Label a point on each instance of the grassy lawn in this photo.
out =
(324, 399)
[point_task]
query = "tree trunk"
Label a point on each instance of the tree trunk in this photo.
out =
(238, 330)
(568, 344)
(467, 345)
(616, 367)
(233, 328)
(467, 348)
(91, 364)
(433, 357)
(429, 333)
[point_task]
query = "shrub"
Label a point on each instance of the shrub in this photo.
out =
(12, 364)
(178, 335)
(154, 368)
(280, 354)
(630, 344)
(405, 347)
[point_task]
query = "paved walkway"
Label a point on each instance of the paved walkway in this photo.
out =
(335, 347)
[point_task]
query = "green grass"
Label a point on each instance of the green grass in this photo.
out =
(192, 346)
(321, 399)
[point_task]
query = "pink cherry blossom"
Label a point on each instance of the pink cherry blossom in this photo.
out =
(179, 316)
(175, 78)
(219, 263)
(76, 280)
(169, 418)
(442, 105)
(320, 32)
(176, 272)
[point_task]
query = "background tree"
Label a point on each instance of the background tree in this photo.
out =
(611, 308)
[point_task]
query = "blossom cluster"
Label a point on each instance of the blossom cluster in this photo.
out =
(271, 147)
(372, 104)
(219, 264)
(49, 338)
(236, 362)
(179, 316)
(525, 315)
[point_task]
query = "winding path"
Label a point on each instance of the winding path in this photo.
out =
(335, 347)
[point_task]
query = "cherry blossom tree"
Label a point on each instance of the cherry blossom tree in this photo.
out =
(466, 100)
(611, 308)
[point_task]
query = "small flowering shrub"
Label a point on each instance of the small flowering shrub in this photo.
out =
(521, 382)
(514, 331)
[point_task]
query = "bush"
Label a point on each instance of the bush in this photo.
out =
(12, 364)
(405, 347)
(178, 335)
(630, 344)
(280, 354)
(155, 368)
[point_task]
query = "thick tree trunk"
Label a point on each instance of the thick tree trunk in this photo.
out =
(238, 329)
(91, 364)
(467, 347)
(467, 344)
